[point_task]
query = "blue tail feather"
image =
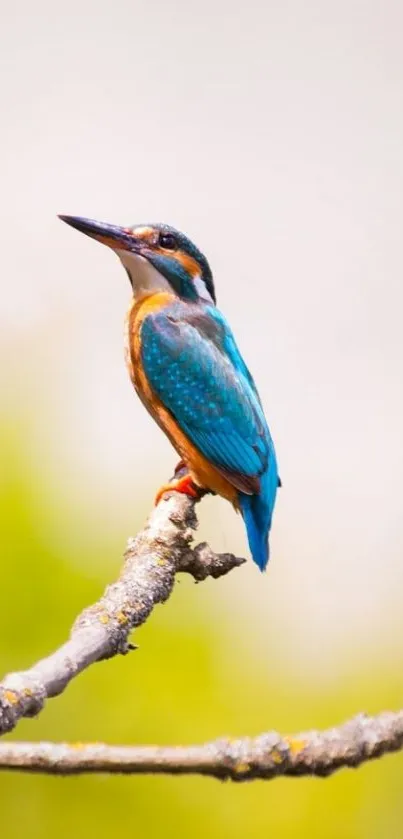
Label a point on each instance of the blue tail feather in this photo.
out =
(257, 513)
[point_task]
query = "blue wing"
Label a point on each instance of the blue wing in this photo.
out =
(192, 363)
(194, 366)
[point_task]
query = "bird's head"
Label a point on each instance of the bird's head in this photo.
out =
(156, 257)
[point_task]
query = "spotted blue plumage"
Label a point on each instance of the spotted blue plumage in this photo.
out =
(194, 366)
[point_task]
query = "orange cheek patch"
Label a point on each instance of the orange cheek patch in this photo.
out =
(190, 265)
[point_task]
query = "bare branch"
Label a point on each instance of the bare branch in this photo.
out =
(159, 552)
(267, 756)
(152, 560)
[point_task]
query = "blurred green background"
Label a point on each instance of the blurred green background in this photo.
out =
(273, 134)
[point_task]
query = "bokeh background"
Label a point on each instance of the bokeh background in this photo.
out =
(272, 133)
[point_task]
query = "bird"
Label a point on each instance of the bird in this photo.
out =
(186, 368)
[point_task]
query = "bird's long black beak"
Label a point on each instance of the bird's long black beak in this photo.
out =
(109, 234)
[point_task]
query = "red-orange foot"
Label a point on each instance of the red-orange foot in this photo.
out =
(184, 485)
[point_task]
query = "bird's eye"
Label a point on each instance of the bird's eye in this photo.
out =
(168, 241)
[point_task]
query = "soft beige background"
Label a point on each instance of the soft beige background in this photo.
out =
(272, 133)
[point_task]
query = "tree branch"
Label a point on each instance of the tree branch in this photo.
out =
(159, 552)
(267, 756)
(152, 560)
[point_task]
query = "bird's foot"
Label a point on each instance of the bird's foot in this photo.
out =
(183, 484)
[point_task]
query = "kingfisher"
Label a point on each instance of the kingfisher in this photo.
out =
(186, 368)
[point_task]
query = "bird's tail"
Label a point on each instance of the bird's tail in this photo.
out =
(257, 511)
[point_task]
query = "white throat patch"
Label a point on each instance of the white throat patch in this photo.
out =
(144, 277)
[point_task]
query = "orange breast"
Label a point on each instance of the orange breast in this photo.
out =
(203, 473)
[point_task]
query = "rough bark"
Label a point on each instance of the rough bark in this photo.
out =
(267, 756)
(151, 562)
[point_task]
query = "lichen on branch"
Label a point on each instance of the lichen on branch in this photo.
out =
(267, 756)
(160, 551)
